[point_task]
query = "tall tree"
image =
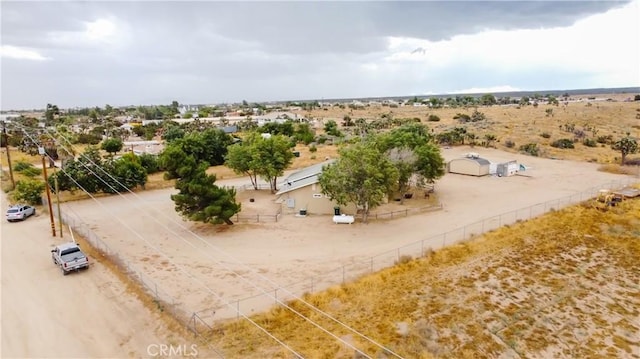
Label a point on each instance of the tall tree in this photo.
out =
(273, 155)
(362, 175)
(626, 145)
(112, 145)
(198, 199)
(240, 158)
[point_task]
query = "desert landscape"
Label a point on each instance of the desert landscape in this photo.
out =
(201, 277)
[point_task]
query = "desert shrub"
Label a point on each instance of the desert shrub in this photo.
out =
(462, 117)
(509, 144)
(531, 149)
(321, 139)
(562, 143)
(27, 169)
(545, 135)
(313, 148)
(21, 166)
(433, 118)
(590, 142)
(478, 116)
(29, 191)
(607, 140)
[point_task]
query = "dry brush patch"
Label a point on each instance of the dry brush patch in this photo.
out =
(565, 284)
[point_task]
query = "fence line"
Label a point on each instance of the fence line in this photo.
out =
(200, 321)
(353, 271)
(401, 213)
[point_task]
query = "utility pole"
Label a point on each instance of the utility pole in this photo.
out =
(6, 145)
(55, 179)
(46, 186)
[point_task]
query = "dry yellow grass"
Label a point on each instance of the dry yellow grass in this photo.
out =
(536, 288)
(526, 124)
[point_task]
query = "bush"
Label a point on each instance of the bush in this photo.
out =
(590, 142)
(27, 169)
(313, 148)
(88, 139)
(433, 118)
(21, 166)
(563, 143)
(322, 139)
(462, 117)
(545, 135)
(608, 139)
(149, 162)
(530, 149)
(509, 144)
(29, 191)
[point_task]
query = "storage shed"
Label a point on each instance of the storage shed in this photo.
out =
(472, 166)
(507, 169)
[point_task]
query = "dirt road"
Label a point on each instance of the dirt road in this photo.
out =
(82, 315)
(191, 261)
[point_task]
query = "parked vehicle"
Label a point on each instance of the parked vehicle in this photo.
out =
(69, 257)
(19, 212)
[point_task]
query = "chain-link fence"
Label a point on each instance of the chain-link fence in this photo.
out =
(203, 320)
(352, 271)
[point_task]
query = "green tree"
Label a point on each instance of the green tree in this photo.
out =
(331, 128)
(29, 191)
(362, 175)
(240, 158)
(198, 199)
(303, 133)
(626, 145)
(50, 113)
(488, 100)
(125, 173)
(273, 155)
(430, 164)
(209, 145)
(112, 145)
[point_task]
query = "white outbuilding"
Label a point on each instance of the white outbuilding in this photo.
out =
(470, 165)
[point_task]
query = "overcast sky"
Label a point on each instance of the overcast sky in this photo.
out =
(148, 52)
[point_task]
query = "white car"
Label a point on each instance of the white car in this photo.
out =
(20, 212)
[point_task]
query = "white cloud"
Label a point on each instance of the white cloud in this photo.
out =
(605, 45)
(20, 53)
(99, 33)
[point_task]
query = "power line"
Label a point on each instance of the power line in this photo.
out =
(318, 310)
(137, 234)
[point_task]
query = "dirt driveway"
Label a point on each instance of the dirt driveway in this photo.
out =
(88, 314)
(209, 270)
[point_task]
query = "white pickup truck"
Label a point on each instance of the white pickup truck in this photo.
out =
(69, 257)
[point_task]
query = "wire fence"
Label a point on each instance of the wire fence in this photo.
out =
(204, 320)
(357, 269)
(401, 213)
(163, 300)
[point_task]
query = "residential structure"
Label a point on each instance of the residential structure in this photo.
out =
(300, 192)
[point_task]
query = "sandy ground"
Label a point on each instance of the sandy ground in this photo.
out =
(82, 315)
(208, 270)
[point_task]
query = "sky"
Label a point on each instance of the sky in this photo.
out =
(91, 53)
